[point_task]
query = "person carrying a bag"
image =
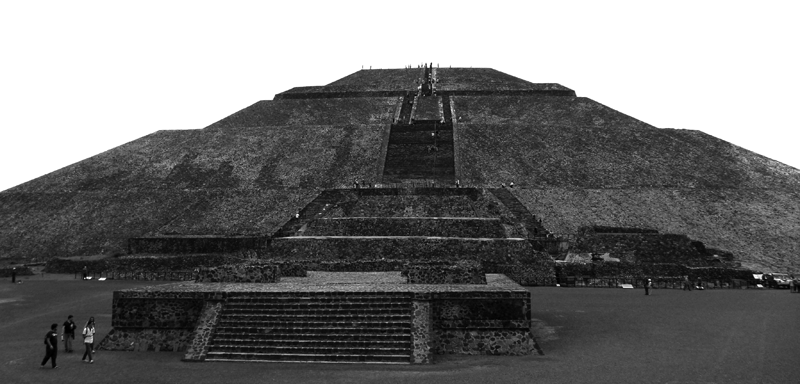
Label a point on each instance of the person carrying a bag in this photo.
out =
(88, 339)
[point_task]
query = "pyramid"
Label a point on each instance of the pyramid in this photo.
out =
(575, 164)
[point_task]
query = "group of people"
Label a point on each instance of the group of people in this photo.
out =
(67, 336)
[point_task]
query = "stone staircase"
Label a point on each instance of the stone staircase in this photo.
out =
(311, 212)
(535, 229)
(323, 327)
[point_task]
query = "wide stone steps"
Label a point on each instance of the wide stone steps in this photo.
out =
(315, 306)
(305, 337)
(308, 358)
(314, 313)
(368, 346)
(306, 318)
(333, 330)
(306, 324)
(314, 327)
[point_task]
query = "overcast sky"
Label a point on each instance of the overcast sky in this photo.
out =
(78, 78)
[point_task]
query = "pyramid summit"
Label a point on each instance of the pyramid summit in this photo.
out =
(254, 176)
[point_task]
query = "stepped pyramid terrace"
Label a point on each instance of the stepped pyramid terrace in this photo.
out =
(393, 215)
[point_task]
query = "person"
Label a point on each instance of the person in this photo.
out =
(700, 286)
(687, 286)
(68, 334)
(51, 346)
(511, 185)
(85, 272)
(647, 285)
(88, 340)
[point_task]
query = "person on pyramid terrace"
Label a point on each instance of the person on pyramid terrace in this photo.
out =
(51, 346)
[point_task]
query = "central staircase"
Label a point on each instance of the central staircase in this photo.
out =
(321, 327)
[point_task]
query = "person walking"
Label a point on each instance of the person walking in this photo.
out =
(51, 346)
(68, 334)
(13, 275)
(647, 285)
(88, 340)
(84, 272)
(687, 285)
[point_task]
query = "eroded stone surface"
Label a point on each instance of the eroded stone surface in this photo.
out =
(421, 326)
(150, 339)
(202, 333)
(241, 273)
(484, 342)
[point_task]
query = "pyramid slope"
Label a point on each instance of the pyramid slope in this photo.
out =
(567, 142)
(334, 111)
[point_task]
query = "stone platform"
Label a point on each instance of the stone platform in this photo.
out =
(356, 317)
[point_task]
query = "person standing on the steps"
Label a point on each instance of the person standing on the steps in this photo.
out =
(68, 334)
(88, 340)
(51, 346)
(647, 285)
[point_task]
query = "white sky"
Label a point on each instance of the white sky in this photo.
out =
(80, 77)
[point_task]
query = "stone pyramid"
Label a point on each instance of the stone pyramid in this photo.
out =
(575, 164)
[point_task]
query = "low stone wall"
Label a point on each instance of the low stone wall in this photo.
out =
(626, 270)
(141, 264)
(484, 342)
(147, 339)
(641, 247)
(400, 248)
(241, 273)
(153, 321)
(156, 313)
(459, 273)
(400, 226)
(478, 323)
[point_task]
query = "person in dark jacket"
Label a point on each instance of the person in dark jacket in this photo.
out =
(51, 346)
(68, 335)
(647, 285)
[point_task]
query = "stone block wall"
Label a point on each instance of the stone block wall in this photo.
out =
(154, 313)
(411, 249)
(241, 273)
(374, 226)
(153, 321)
(198, 349)
(472, 273)
(147, 339)
(482, 323)
(641, 247)
(422, 332)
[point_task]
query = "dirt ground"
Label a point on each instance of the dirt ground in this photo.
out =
(586, 334)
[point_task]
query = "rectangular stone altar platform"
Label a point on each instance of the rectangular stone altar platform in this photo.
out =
(358, 317)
